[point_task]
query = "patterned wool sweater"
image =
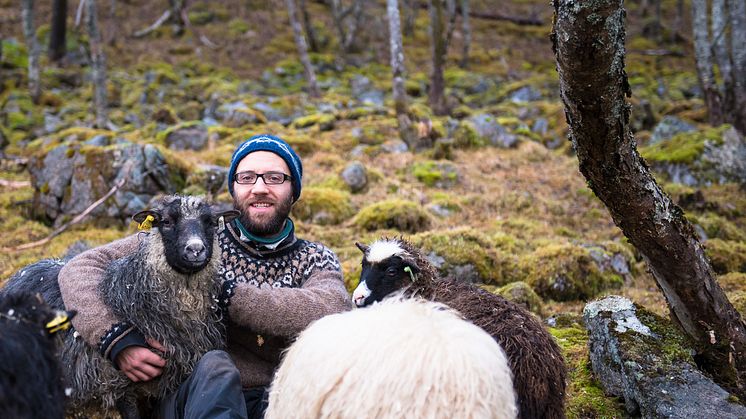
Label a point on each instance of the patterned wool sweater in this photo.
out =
(269, 296)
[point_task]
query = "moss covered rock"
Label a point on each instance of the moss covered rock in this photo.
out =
(566, 271)
(441, 174)
(324, 121)
(522, 294)
(397, 214)
(323, 206)
(726, 255)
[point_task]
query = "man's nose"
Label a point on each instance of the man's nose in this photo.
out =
(259, 186)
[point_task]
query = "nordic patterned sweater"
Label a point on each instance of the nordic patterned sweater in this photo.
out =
(269, 295)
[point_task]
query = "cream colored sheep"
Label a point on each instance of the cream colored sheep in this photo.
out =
(396, 359)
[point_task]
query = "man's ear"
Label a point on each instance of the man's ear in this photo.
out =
(142, 215)
(228, 215)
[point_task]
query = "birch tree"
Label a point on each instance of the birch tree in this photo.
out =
(410, 14)
(29, 32)
(300, 43)
(98, 64)
(407, 131)
(588, 43)
(347, 21)
(704, 62)
(438, 47)
(737, 12)
(313, 43)
(58, 31)
(466, 28)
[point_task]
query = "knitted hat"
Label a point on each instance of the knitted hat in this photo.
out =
(272, 144)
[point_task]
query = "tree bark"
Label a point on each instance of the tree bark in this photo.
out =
(703, 57)
(313, 44)
(720, 49)
(300, 43)
(407, 131)
(410, 14)
(29, 32)
(58, 31)
(466, 27)
(177, 8)
(436, 95)
(737, 12)
(451, 25)
(347, 21)
(98, 65)
(588, 42)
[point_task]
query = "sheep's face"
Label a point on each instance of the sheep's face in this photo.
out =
(187, 227)
(32, 311)
(387, 267)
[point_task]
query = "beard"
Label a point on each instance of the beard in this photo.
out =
(264, 226)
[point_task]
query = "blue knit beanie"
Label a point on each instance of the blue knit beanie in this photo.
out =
(275, 145)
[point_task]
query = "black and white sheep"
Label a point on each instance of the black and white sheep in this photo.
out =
(403, 358)
(539, 371)
(167, 290)
(31, 383)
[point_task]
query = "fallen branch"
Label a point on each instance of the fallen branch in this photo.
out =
(79, 13)
(205, 41)
(67, 225)
(14, 184)
(158, 23)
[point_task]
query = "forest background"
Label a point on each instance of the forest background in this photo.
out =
(475, 167)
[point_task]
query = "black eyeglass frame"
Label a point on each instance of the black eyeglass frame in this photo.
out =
(285, 177)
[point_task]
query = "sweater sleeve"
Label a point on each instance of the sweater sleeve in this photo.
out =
(79, 280)
(287, 311)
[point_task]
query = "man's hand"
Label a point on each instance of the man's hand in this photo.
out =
(141, 364)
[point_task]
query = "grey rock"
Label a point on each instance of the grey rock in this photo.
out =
(355, 176)
(668, 127)
(358, 151)
(236, 114)
(365, 92)
(487, 127)
(630, 361)
(98, 140)
(541, 126)
(269, 112)
(525, 94)
(52, 123)
(191, 137)
(394, 146)
(439, 210)
(727, 160)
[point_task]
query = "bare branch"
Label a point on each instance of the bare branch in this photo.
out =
(157, 24)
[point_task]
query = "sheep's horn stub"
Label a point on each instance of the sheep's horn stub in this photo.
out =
(363, 248)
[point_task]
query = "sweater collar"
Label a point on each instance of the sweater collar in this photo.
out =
(286, 235)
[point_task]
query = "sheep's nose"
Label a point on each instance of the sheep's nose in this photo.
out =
(195, 250)
(359, 300)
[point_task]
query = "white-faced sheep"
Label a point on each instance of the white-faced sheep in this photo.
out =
(405, 358)
(31, 383)
(538, 367)
(167, 290)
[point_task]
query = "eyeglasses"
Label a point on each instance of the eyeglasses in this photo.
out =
(269, 178)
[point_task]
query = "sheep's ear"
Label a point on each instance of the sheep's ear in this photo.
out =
(363, 248)
(228, 215)
(412, 264)
(141, 216)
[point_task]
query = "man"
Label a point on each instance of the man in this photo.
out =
(274, 285)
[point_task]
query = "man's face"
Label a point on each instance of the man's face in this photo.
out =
(263, 207)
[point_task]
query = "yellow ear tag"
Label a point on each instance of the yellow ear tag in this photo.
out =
(60, 322)
(409, 270)
(147, 223)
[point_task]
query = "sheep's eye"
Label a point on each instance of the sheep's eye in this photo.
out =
(166, 223)
(391, 271)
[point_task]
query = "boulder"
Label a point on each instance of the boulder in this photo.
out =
(365, 92)
(642, 358)
(69, 178)
(525, 94)
(668, 127)
(237, 114)
(187, 137)
(492, 132)
(355, 176)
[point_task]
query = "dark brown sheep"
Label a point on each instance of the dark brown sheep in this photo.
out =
(538, 368)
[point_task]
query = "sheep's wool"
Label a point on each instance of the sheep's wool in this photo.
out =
(382, 249)
(397, 359)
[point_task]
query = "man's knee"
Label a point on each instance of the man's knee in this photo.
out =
(216, 365)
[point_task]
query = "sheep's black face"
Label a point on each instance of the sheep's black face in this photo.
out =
(30, 310)
(379, 279)
(187, 226)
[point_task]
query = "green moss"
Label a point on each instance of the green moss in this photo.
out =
(566, 272)
(324, 121)
(161, 136)
(732, 281)
(670, 346)
(585, 396)
(726, 255)
(323, 206)
(718, 227)
(432, 173)
(405, 216)
(522, 294)
(466, 136)
(14, 54)
(738, 299)
(683, 148)
(466, 246)
(238, 27)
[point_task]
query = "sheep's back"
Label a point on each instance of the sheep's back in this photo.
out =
(539, 372)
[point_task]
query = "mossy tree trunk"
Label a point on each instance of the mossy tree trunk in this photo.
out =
(703, 56)
(58, 31)
(737, 12)
(407, 130)
(29, 32)
(588, 42)
(438, 48)
(300, 43)
(98, 65)
(466, 28)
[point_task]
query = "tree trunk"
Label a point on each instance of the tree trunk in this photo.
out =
(410, 14)
(407, 131)
(588, 42)
(29, 32)
(436, 95)
(451, 26)
(676, 31)
(177, 16)
(737, 9)
(313, 44)
(58, 31)
(720, 49)
(466, 27)
(300, 43)
(703, 58)
(347, 22)
(98, 65)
